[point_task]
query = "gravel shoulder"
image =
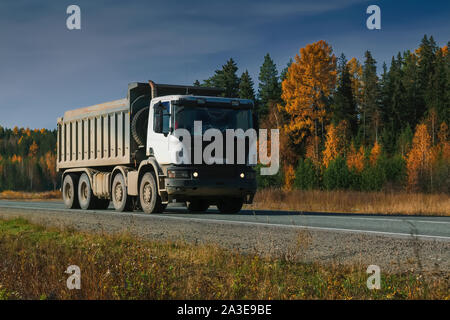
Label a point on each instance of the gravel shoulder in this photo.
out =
(392, 254)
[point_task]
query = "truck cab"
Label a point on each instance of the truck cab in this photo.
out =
(201, 182)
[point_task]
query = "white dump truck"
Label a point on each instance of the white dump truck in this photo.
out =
(125, 151)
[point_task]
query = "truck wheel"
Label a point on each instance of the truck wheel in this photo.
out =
(121, 199)
(69, 192)
(198, 206)
(85, 194)
(148, 195)
(230, 205)
(102, 204)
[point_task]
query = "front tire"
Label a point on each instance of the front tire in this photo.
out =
(69, 191)
(121, 199)
(230, 206)
(148, 195)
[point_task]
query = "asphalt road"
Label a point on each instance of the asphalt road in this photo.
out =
(392, 226)
(395, 243)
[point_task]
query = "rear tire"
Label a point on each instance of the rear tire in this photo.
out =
(86, 197)
(229, 206)
(148, 195)
(121, 199)
(198, 206)
(69, 191)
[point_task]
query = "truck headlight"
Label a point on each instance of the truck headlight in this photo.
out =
(178, 174)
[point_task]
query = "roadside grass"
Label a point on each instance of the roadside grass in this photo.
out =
(33, 261)
(23, 195)
(395, 202)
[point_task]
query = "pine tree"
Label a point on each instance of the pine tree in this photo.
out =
(371, 116)
(344, 106)
(246, 90)
(269, 86)
(226, 78)
(284, 72)
(437, 97)
(411, 113)
(426, 54)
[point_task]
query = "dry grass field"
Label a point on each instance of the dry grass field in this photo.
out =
(395, 202)
(20, 195)
(353, 202)
(33, 261)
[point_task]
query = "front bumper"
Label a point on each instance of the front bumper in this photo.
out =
(207, 188)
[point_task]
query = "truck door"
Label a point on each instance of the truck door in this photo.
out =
(159, 127)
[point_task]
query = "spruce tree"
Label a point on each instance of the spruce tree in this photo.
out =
(426, 66)
(246, 90)
(370, 116)
(269, 86)
(285, 70)
(344, 105)
(226, 78)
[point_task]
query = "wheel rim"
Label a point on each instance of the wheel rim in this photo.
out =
(147, 194)
(84, 191)
(118, 192)
(68, 191)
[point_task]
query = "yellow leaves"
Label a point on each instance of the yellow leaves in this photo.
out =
(375, 153)
(312, 149)
(33, 150)
(355, 159)
(355, 69)
(419, 157)
(310, 79)
(335, 143)
(16, 159)
(289, 177)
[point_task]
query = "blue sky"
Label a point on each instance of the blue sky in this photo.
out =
(46, 69)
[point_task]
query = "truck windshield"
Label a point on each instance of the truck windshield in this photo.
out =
(212, 117)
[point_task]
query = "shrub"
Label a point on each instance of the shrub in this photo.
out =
(306, 175)
(275, 181)
(394, 168)
(337, 175)
(373, 178)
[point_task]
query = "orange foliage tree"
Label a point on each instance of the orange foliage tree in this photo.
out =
(335, 143)
(48, 163)
(355, 159)
(356, 70)
(309, 82)
(418, 160)
(375, 153)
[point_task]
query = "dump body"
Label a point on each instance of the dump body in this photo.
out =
(98, 135)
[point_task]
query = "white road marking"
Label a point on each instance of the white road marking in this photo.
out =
(408, 235)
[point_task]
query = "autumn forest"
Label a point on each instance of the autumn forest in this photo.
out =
(343, 123)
